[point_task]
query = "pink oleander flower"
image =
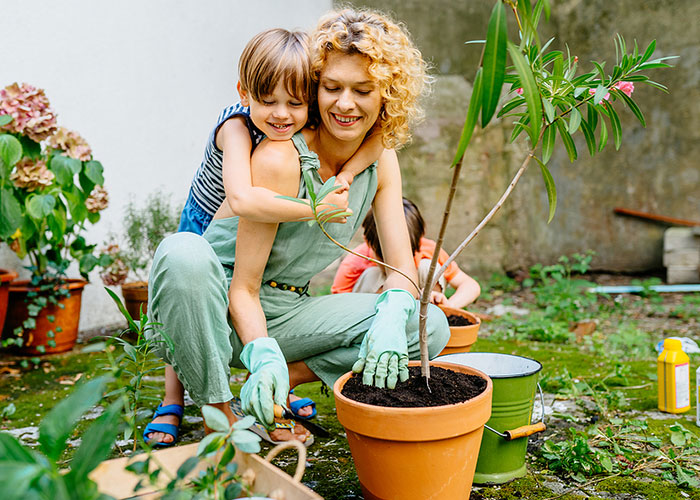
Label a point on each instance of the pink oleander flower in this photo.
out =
(98, 200)
(31, 175)
(625, 87)
(30, 110)
(519, 91)
(71, 142)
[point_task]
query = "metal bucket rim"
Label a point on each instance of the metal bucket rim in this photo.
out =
(495, 354)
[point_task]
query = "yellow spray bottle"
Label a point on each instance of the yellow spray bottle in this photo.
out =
(674, 378)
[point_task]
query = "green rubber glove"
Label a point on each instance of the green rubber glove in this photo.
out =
(383, 357)
(268, 382)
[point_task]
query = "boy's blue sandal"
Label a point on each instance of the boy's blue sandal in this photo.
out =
(295, 406)
(171, 429)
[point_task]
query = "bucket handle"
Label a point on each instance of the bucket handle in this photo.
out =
(525, 430)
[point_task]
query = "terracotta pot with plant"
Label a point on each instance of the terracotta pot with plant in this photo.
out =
(5, 278)
(393, 447)
(144, 227)
(51, 190)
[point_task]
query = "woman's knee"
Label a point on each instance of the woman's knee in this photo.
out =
(438, 330)
(182, 260)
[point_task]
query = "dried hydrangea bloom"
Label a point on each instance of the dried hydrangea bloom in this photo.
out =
(31, 175)
(117, 272)
(71, 142)
(98, 199)
(30, 110)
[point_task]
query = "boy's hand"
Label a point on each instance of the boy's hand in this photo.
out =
(334, 200)
(344, 179)
(438, 298)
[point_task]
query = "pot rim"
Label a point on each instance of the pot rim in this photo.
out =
(7, 275)
(418, 409)
(23, 285)
(476, 321)
(399, 424)
(536, 369)
(135, 284)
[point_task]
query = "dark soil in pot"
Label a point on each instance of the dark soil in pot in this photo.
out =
(446, 388)
(459, 321)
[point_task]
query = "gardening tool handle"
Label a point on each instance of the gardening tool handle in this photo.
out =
(279, 411)
(301, 461)
(524, 431)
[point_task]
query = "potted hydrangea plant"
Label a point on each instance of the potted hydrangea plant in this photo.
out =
(51, 188)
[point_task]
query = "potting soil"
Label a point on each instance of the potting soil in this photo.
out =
(446, 387)
(459, 321)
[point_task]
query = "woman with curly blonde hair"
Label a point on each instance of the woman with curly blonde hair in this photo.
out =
(237, 296)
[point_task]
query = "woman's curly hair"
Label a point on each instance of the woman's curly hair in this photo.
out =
(395, 64)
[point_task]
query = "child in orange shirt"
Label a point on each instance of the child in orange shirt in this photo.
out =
(359, 275)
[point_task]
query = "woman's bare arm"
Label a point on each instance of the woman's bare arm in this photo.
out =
(275, 167)
(391, 224)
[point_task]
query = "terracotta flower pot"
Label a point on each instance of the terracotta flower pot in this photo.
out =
(135, 296)
(5, 278)
(462, 338)
(66, 318)
(415, 453)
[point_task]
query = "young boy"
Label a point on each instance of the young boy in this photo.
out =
(275, 87)
(359, 275)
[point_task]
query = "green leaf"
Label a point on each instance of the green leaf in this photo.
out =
(550, 187)
(65, 162)
(97, 442)
(245, 422)
(678, 439)
(210, 443)
(10, 152)
(633, 107)
(548, 139)
(40, 206)
(30, 148)
(470, 121)
(567, 140)
(58, 424)
(494, 62)
(10, 214)
(603, 141)
(600, 93)
(246, 441)
(187, 467)
(649, 51)
(233, 491)
(215, 419)
(575, 120)
(291, 198)
(227, 455)
(12, 450)
(93, 171)
(651, 65)
(15, 478)
(590, 137)
(5, 119)
(328, 187)
(615, 124)
(530, 91)
(308, 181)
(549, 110)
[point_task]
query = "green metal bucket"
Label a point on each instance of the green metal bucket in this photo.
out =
(503, 446)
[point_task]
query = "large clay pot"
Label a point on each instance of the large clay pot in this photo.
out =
(5, 278)
(462, 338)
(67, 318)
(135, 298)
(415, 453)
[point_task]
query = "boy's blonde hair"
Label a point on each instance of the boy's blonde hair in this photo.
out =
(395, 64)
(277, 55)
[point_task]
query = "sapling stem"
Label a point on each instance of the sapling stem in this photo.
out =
(433, 276)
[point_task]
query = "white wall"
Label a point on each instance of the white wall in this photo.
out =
(142, 81)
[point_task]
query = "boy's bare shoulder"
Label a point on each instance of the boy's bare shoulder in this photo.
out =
(281, 156)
